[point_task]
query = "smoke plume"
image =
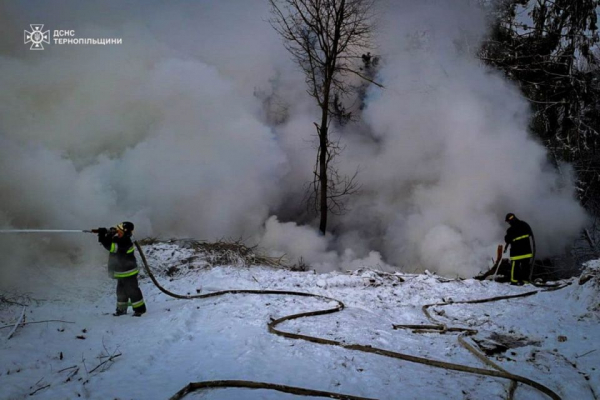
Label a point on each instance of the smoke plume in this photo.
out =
(199, 125)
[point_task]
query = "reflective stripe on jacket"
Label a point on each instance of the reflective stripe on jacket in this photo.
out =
(121, 258)
(519, 236)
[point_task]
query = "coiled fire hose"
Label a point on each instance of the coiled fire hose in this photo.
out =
(497, 373)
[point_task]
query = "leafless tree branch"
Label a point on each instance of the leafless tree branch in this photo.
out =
(325, 38)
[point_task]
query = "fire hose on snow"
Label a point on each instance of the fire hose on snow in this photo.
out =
(339, 306)
(499, 373)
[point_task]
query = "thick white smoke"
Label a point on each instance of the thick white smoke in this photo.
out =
(451, 154)
(444, 152)
(199, 125)
(164, 130)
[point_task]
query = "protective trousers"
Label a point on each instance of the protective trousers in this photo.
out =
(520, 270)
(129, 290)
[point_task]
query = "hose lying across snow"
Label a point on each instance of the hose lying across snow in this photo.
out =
(498, 372)
(470, 332)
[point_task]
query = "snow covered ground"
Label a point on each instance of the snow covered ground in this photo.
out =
(553, 337)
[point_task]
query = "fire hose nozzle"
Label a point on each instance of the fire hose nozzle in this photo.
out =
(98, 230)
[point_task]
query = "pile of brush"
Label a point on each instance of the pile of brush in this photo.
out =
(223, 252)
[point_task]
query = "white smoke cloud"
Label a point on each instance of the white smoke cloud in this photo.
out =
(303, 244)
(451, 154)
(90, 137)
(200, 126)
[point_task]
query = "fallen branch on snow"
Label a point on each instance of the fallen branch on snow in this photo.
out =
(38, 389)
(64, 369)
(585, 354)
(17, 324)
(105, 361)
(72, 374)
(39, 322)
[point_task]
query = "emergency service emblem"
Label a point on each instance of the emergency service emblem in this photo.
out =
(37, 37)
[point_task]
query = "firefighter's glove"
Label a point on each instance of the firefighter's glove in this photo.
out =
(101, 234)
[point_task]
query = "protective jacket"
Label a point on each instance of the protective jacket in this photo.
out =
(520, 238)
(121, 260)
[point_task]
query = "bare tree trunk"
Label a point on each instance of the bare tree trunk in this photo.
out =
(325, 37)
(324, 128)
(323, 131)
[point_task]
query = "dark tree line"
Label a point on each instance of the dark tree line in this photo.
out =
(550, 48)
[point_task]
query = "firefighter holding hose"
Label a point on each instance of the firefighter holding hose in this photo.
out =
(519, 237)
(122, 266)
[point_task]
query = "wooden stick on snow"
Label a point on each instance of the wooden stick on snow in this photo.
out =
(17, 324)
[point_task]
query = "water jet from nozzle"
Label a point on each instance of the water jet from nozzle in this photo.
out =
(44, 231)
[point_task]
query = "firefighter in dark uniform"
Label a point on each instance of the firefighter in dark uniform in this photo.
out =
(122, 266)
(519, 237)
